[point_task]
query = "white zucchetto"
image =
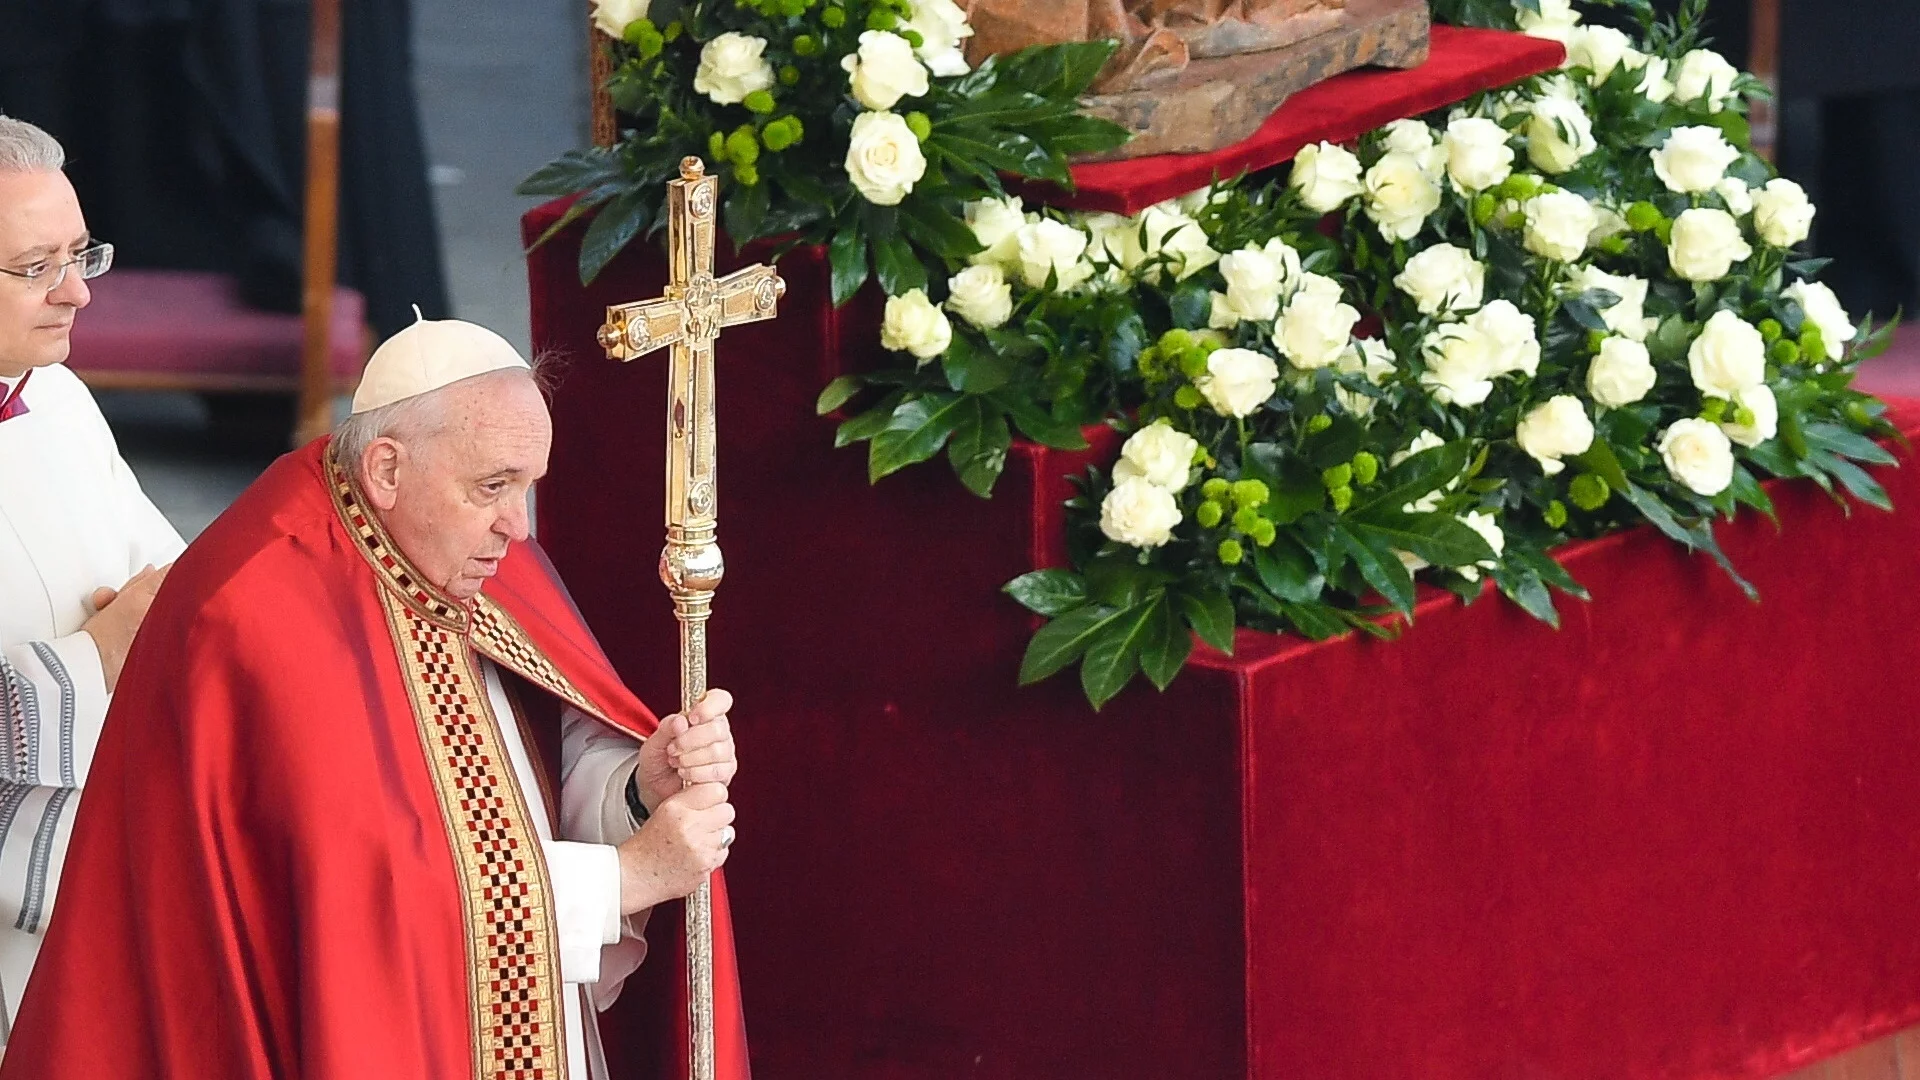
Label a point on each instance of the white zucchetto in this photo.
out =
(428, 355)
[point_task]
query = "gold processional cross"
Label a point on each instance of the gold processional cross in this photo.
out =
(696, 308)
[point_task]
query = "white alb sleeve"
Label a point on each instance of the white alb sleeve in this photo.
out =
(596, 763)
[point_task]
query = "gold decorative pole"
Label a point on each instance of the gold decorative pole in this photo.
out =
(690, 317)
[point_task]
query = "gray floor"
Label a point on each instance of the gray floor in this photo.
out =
(502, 90)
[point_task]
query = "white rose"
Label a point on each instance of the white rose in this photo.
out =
(1489, 531)
(1621, 374)
(1109, 233)
(1370, 359)
(883, 158)
(1158, 454)
(1555, 20)
(1759, 402)
(1459, 365)
(884, 70)
(1411, 137)
(1557, 429)
(1139, 514)
(1654, 84)
(1826, 313)
(1559, 132)
(1599, 49)
(1736, 194)
(1314, 329)
(1782, 214)
(1049, 247)
(941, 26)
(1628, 318)
(996, 224)
(1238, 381)
(981, 295)
(1705, 76)
(731, 67)
(913, 324)
(1699, 455)
(1255, 281)
(1606, 222)
(1510, 338)
(1559, 224)
(1400, 195)
(1727, 357)
(1478, 156)
(612, 16)
(1422, 442)
(1443, 279)
(1705, 244)
(1163, 230)
(1693, 159)
(1326, 176)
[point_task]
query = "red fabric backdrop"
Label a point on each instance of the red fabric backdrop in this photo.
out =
(1677, 840)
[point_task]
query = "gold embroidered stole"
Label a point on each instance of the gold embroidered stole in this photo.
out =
(518, 1027)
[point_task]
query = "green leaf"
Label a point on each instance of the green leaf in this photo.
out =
(899, 269)
(616, 223)
(1210, 613)
(1846, 443)
(1585, 314)
(1655, 510)
(1527, 590)
(973, 369)
(745, 212)
(847, 254)
(942, 233)
(1441, 539)
(1039, 425)
(1063, 641)
(575, 170)
(1856, 480)
(838, 393)
(916, 432)
(978, 450)
(1316, 622)
(1602, 462)
(1668, 345)
(1191, 304)
(1126, 339)
(1164, 651)
(1051, 593)
(1288, 572)
(1412, 480)
(1381, 568)
(1114, 654)
(869, 423)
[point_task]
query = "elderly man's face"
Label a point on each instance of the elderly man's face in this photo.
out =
(456, 498)
(40, 224)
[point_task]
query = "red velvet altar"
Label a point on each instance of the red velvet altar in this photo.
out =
(1677, 840)
(1462, 63)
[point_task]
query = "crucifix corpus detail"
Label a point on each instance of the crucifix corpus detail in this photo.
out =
(689, 319)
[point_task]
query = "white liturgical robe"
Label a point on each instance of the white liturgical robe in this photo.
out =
(72, 519)
(598, 949)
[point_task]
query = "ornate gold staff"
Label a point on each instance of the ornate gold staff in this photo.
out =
(696, 308)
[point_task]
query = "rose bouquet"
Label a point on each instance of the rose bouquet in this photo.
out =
(852, 123)
(1560, 309)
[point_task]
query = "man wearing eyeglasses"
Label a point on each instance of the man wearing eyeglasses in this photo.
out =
(79, 542)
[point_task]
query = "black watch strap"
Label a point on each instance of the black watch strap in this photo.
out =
(634, 804)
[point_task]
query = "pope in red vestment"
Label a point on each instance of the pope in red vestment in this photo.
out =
(302, 852)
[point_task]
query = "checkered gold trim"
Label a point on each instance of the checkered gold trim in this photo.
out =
(513, 949)
(393, 569)
(499, 637)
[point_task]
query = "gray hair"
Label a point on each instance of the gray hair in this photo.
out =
(25, 148)
(411, 420)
